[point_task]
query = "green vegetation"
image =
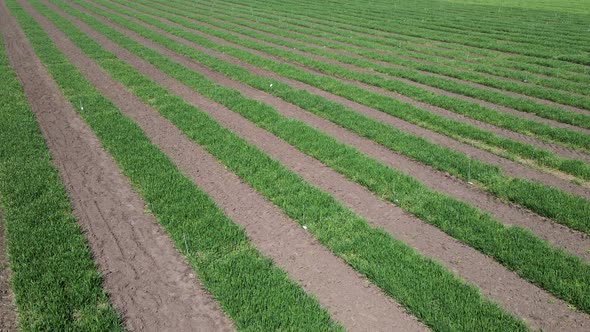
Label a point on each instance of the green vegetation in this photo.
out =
(541, 199)
(54, 280)
(379, 18)
(466, 133)
(571, 6)
(392, 265)
(499, 98)
(338, 46)
(562, 136)
(446, 63)
(241, 279)
(370, 251)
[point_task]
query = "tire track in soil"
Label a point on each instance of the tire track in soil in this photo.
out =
(8, 315)
(539, 308)
(556, 148)
(346, 294)
(146, 278)
(572, 241)
(504, 109)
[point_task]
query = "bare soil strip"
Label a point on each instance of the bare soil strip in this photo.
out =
(537, 307)
(146, 278)
(346, 294)
(423, 86)
(558, 235)
(341, 52)
(8, 315)
(555, 148)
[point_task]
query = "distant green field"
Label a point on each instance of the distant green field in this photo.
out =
(570, 6)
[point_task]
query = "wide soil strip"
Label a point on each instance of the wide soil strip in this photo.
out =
(539, 143)
(344, 292)
(146, 278)
(537, 307)
(575, 242)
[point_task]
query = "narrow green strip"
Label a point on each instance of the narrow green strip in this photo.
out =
(55, 282)
(255, 294)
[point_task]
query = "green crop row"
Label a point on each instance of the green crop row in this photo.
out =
(54, 280)
(243, 281)
(515, 247)
(546, 201)
(393, 266)
(461, 26)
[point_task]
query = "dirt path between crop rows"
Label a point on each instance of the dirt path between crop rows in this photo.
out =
(146, 278)
(536, 306)
(561, 236)
(343, 291)
(7, 308)
(537, 142)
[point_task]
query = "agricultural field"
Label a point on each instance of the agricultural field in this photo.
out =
(335, 165)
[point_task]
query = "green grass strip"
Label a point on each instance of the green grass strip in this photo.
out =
(458, 130)
(55, 282)
(443, 301)
(255, 294)
(542, 199)
(564, 275)
(475, 111)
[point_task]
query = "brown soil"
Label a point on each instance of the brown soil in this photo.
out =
(555, 148)
(146, 278)
(7, 308)
(346, 294)
(515, 294)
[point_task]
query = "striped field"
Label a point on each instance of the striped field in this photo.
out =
(291, 165)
